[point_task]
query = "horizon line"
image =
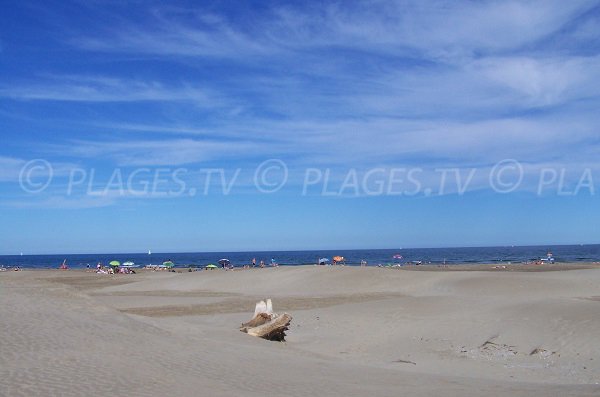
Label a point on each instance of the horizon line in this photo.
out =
(301, 250)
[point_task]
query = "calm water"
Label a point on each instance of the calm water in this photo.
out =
(563, 253)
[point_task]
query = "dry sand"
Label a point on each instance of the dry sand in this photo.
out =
(356, 331)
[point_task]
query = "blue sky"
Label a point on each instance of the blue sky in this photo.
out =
(327, 106)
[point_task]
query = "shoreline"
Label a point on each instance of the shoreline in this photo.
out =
(501, 266)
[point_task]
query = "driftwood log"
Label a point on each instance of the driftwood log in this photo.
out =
(266, 324)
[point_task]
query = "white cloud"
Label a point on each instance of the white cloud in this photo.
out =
(437, 29)
(60, 202)
(107, 89)
(543, 82)
(210, 36)
(10, 168)
(360, 142)
(158, 152)
(374, 83)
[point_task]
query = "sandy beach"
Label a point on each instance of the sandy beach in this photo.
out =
(355, 331)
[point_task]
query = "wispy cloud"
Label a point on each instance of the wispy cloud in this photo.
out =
(10, 168)
(157, 152)
(360, 142)
(60, 202)
(85, 88)
(545, 81)
(373, 26)
(209, 35)
(344, 84)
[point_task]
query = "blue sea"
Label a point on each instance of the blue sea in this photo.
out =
(478, 255)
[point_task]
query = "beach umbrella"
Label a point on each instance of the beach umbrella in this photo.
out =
(211, 266)
(224, 262)
(338, 258)
(324, 260)
(397, 256)
(129, 264)
(168, 263)
(114, 263)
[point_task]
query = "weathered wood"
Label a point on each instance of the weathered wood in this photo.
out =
(259, 319)
(266, 324)
(274, 329)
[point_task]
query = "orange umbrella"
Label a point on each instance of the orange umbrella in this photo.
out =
(338, 258)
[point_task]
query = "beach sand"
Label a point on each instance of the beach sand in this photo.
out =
(355, 332)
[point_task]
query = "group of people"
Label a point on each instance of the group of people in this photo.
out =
(338, 260)
(101, 269)
(155, 268)
(261, 264)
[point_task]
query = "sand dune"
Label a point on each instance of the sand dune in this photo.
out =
(356, 331)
